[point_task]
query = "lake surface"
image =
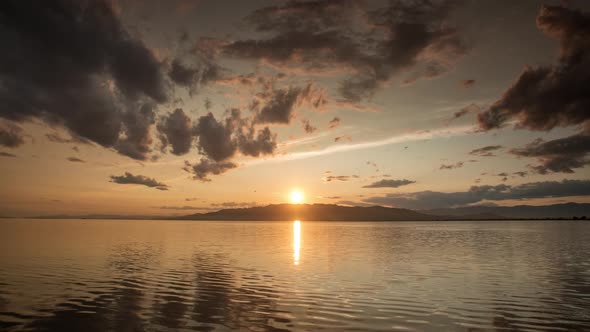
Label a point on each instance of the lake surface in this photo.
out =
(125, 275)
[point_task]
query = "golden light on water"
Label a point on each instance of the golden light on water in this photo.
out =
(296, 197)
(296, 241)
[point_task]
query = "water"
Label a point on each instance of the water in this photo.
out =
(114, 275)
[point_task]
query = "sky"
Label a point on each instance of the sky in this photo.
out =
(136, 107)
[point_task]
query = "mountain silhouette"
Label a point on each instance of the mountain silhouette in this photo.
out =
(312, 212)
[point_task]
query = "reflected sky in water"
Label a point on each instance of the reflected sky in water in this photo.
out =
(108, 275)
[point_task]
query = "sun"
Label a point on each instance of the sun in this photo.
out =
(296, 197)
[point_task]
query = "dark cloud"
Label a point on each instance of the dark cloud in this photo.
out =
(136, 139)
(220, 141)
(206, 167)
(335, 122)
(432, 199)
(486, 151)
(308, 127)
(467, 83)
(264, 143)
(373, 44)
(561, 155)
(193, 77)
(181, 74)
(215, 138)
(75, 160)
(389, 183)
(11, 135)
(452, 166)
(550, 96)
(176, 129)
(129, 178)
(332, 178)
(521, 174)
(6, 154)
(72, 63)
(278, 105)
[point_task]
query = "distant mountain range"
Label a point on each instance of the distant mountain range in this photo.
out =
(332, 212)
(566, 210)
(311, 212)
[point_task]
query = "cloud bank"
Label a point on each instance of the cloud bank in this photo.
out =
(432, 199)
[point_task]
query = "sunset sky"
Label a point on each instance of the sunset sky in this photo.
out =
(177, 107)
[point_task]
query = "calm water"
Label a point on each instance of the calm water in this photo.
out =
(110, 275)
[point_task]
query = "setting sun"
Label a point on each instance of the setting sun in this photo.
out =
(296, 197)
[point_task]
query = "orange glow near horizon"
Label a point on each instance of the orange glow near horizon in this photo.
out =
(296, 241)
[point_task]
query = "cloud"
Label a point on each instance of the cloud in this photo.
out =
(466, 110)
(545, 97)
(193, 77)
(332, 178)
(342, 138)
(561, 155)
(137, 140)
(278, 105)
(75, 160)
(129, 178)
(11, 135)
(486, 151)
(215, 138)
(503, 175)
(396, 139)
(353, 203)
(6, 154)
(74, 64)
(183, 208)
(371, 44)
(308, 127)
(182, 74)
(234, 204)
(220, 141)
(176, 129)
(467, 83)
(458, 164)
(207, 167)
(475, 194)
(264, 143)
(389, 183)
(335, 122)
(57, 138)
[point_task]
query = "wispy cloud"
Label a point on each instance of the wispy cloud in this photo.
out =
(401, 138)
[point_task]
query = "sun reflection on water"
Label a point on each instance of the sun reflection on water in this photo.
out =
(296, 241)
